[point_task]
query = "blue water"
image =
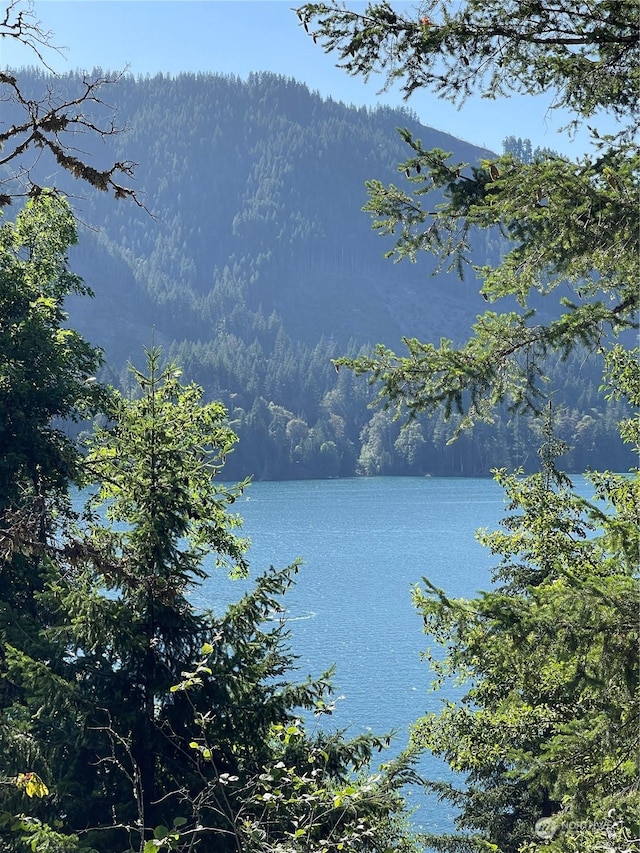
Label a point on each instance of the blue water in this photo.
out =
(365, 544)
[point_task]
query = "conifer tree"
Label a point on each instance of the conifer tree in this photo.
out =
(158, 724)
(569, 228)
(46, 376)
(546, 732)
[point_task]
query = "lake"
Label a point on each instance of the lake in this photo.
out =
(365, 543)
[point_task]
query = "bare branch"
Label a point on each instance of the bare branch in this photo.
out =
(46, 126)
(22, 25)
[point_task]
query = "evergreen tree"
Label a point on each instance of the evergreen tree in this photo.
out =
(569, 225)
(153, 466)
(47, 370)
(46, 380)
(157, 724)
(546, 731)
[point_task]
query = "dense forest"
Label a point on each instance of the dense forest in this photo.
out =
(253, 267)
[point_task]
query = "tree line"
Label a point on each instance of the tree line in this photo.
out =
(258, 268)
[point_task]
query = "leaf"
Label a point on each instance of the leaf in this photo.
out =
(32, 785)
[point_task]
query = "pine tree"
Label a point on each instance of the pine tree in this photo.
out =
(178, 721)
(46, 380)
(546, 732)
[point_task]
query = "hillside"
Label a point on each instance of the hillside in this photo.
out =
(256, 188)
(254, 265)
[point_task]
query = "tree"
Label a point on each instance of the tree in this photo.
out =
(154, 466)
(310, 790)
(546, 731)
(46, 382)
(46, 369)
(157, 724)
(46, 378)
(585, 56)
(378, 439)
(46, 125)
(564, 223)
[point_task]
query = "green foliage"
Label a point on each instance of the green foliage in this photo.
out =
(523, 151)
(594, 249)
(128, 619)
(46, 375)
(565, 223)
(545, 734)
(312, 791)
(27, 833)
(617, 831)
(45, 369)
(155, 465)
(548, 722)
(621, 381)
(587, 56)
(155, 724)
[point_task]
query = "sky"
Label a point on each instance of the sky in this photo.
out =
(242, 36)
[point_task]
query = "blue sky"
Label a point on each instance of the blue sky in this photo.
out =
(241, 36)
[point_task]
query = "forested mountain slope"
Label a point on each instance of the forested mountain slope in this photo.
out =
(254, 265)
(256, 189)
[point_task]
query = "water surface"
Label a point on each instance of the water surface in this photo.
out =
(365, 543)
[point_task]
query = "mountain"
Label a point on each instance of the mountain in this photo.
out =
(253, 265)
(255, 190)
